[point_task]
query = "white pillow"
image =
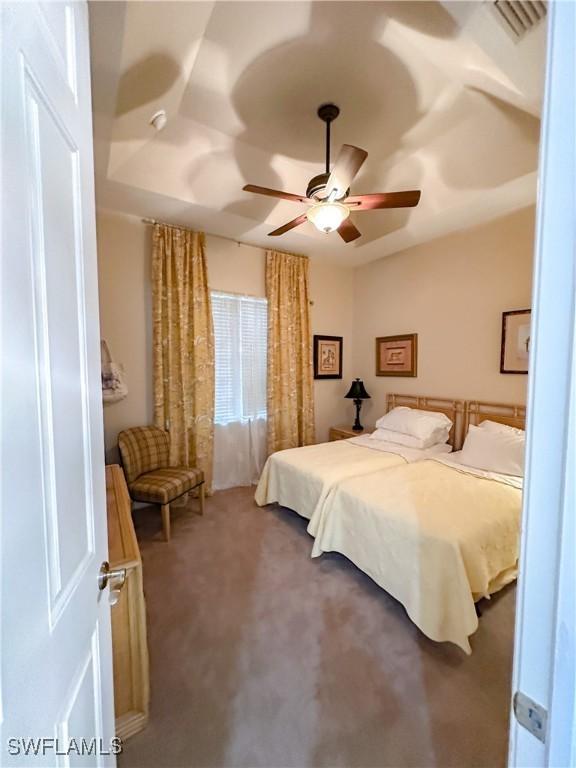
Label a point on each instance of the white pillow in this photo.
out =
(408, 440)
(425, 425)
(496, 426)
(498, 451)
(440, 448)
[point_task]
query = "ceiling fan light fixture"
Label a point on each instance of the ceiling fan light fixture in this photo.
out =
(327, 217)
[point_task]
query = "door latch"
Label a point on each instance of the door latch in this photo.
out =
(531, 715)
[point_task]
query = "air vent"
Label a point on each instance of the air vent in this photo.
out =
(520, 16)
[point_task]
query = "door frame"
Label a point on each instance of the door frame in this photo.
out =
(544, 651)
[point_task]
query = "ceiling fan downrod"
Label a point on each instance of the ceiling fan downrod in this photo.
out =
(327, 113)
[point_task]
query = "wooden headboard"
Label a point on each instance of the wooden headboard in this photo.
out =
(454, 409)
(475, 412)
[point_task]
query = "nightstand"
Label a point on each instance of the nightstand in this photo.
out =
(344, 431)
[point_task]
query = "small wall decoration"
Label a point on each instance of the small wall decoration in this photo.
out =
(397, 355)
(328, 357)
(515, 348)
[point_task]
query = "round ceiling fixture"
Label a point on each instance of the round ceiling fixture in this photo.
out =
(327, 216)
(159, 119)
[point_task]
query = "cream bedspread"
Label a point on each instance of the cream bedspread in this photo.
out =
(435, 535)
(301, 478)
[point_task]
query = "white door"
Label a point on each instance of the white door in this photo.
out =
(56, 676)
(545, 644)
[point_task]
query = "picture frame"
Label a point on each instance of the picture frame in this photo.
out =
(515, 342)
(397, 355)
(328, 356)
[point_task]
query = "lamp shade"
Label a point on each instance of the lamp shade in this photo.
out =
(357, 391)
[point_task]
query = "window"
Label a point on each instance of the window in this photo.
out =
(240, 333)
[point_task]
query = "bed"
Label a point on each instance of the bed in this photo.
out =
(437, 535)
(301, 478)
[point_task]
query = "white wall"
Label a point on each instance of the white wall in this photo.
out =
(451, 292)
(126, 318)
(124, 253)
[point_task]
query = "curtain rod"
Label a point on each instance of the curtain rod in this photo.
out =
(147, 220)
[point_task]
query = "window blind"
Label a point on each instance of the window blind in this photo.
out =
(240, 337)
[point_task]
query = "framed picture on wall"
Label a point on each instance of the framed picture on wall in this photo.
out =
(328, 357)
(515, 346)
(397, 355)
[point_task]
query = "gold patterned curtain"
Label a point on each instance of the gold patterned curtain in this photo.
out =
(183, 347)
(290, 384)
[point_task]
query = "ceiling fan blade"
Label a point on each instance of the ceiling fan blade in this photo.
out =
(347, 165)
(384, 200)
(348, 231)
(275, 193)
(290, 225)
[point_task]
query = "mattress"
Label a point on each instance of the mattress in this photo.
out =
(301, 478)
(436, 535)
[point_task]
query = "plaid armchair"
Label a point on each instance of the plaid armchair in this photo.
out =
(145, 459)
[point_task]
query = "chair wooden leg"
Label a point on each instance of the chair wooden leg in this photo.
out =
(201, 498)
(165, 509)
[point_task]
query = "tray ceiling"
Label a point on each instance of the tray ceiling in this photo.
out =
(438, 94)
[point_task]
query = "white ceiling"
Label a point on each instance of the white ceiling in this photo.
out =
(439, 94)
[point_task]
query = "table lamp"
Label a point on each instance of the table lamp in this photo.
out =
(357, 393)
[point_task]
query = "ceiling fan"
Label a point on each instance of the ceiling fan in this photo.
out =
(328, 196)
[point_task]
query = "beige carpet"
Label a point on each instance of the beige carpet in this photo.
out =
(264, 658)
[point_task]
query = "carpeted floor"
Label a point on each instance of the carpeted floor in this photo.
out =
(263, 658)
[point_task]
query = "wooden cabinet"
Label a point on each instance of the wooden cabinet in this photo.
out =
(129, 644)
(343, 432)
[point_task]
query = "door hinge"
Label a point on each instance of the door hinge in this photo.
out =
(530, 715)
